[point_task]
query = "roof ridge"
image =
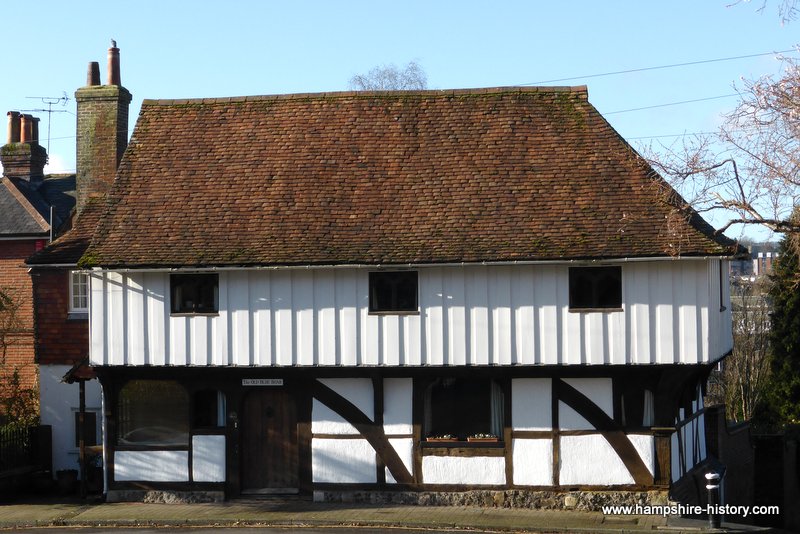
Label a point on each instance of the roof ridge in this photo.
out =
(582, 89)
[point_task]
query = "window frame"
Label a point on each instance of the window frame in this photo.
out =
(72, 309)
(375, 276)
(182, 416)
(616, 306)
(185, 277)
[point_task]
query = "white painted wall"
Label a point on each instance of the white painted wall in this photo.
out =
(154, 466)
(58, 404)
(356, 390)
(405, 449)
(598, 390)
(591, 460)
(343, 461)
(470, 315)
(531, 403)
(397, 401)
(463, 470)
(208, 458)
(533, 462)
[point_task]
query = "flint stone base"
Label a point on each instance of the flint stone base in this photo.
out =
(589, 501)
(165, 497)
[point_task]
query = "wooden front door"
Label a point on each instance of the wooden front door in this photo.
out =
(269, 442)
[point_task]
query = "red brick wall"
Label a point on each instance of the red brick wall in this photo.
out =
(15, 281)
(60, 340)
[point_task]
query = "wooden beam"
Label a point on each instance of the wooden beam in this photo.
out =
(611, 430)
(373, 433)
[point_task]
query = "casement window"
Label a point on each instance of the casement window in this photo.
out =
(464, 407)
(78, 292)
(194, 293)
(209, 409)
(153, 413)
(90, 424)
(393, 292)
(595, 288)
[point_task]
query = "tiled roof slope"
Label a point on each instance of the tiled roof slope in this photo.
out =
(386, 178)
(25, 210)
(69, 248)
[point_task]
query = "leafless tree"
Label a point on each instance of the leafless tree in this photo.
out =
(787, 9)
(750, 169)
(391, 78)
(19, 403)
(740, 383)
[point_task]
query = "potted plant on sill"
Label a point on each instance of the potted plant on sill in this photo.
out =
(441, 437)
(483, 438)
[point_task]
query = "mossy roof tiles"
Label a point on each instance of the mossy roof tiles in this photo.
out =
(509, 174)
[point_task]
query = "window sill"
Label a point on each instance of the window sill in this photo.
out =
(596, 310)
(409, 312)
(78, 316)
(462, 448)
(447, 444)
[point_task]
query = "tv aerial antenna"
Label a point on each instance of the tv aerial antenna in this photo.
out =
(50, 101)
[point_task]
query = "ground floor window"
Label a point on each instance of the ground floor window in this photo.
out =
(463, 408)
(90, 426)
(153, 413)
(209, 409)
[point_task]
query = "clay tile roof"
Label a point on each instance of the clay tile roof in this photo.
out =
(387, 178)
(70, 246)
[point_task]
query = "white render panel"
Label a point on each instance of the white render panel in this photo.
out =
(405, 449)
(356, 390)
(208, 458)
(343, 461)
(591, 460)
(645, 445)
(598, 390)
(463, 470)
(531, 404)
(153, 466)
(469, 315)
(533, 462)
(397, 402)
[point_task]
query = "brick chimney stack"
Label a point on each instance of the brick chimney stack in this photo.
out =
(22, 156)
(102, 129)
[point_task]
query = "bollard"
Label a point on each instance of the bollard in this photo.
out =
(712, 485)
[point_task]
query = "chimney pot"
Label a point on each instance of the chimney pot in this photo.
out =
(13, 127)
(93, 74)
(113, 65)
(25, 132)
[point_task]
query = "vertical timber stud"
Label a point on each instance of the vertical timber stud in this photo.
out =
(304, 405)
(377, 393)
(507, 431)
(556, 433)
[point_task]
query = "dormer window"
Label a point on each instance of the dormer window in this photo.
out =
(393, 292)
(595, 288)
(194, 293)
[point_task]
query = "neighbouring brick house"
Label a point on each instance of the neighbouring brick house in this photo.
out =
(60, 291)
(33, 208)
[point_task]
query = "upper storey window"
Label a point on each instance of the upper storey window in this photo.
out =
(595, 288)
(78, 292)
(393, 292)
(194, 293)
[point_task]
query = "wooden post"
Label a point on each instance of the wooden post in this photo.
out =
(82, 435)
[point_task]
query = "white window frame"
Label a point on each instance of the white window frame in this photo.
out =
(75, 283)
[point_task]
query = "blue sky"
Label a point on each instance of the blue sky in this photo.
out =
(182, 49)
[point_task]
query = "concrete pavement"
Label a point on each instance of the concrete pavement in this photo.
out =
(283, 512)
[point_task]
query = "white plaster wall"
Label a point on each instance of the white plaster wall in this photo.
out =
(463, 470)
(469, 315)
(533, 462)
(675, 460)
(405, 449)
(591, 460)
(154, 466)
(208, 458)
(343, 461)
(397, 398)
(646, 447)
(599, 391)
(531, 403)
(58, 404)
(356, 390)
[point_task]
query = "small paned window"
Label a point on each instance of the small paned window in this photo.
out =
(461, 408)
(153, 413)
(194, 293)
(78, 292)
(595, 288)
(393, 291)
